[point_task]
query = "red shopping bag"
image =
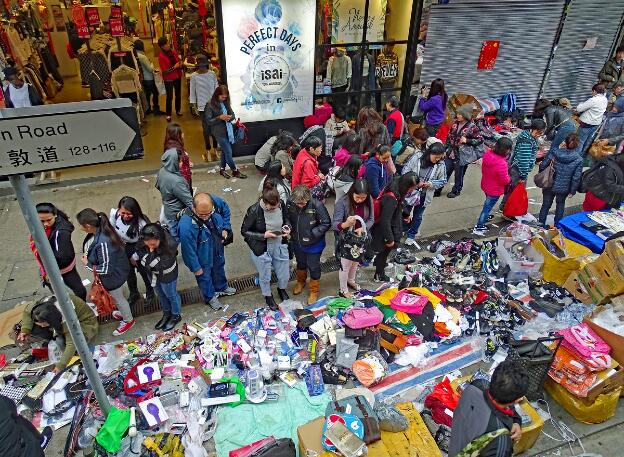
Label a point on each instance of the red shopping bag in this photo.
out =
(518, 202)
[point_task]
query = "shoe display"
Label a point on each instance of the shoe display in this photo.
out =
(123, 327)
(282, 294)
(173, 320)
(163, 320)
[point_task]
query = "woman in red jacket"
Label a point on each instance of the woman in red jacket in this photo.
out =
(171, 70)
(305, 169)
(494, 179)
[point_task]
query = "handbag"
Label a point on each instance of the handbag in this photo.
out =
(103, 300)
(320, 190)
(546, 178)
(409, 302)
(358, 406)
(362, 317)
(470, 154)
(391, 338)
(284, 447)
(351, 245)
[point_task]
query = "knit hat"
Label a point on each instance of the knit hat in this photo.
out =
(432, 140)
(466, 110)
(565, 103)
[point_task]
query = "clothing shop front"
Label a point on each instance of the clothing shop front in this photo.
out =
(279, 56)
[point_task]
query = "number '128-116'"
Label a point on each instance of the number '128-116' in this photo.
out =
(84, 150)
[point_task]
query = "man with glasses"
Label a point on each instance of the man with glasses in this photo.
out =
(204, 232)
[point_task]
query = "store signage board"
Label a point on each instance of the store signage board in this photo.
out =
(116, 26)
(65, 135)
(347, 25)
(269, 53)
(116, 11)
(93, 16)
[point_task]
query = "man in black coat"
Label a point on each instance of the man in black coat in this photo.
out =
(18, 437)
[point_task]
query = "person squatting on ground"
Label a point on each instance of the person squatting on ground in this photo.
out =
(356, 202)
(128, 220)
(265, 230)
(156, 253)
(58, 229)
(494, 179)
(484, 409)
(567, 179)
(309, 221)
(388, 230)
(104, 254)
(204, 232)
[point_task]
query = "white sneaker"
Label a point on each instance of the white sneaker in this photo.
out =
(479, 231)
(410, 242)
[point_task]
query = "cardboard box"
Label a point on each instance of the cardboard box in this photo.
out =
(575, 286)
(615, 250)
(610, 277)
(310, 436)
(608, 381)
(612, 339)
(556, 269)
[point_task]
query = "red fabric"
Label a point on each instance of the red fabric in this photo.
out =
(70, 52)
(305, 170)
(166, 63)
(443, 132)
(518, 202)
(507, 411)
(323, 112)
(396, 116)
(494, 174)
(185, 168)
(593, 203)
(311, 120)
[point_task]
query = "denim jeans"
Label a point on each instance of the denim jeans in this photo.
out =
(226, 153)
(213, 277)
(585, 136)
(453, 166)
(276, 256)
(169, 298)
(490, 202)
(548, 197)
(417, 215)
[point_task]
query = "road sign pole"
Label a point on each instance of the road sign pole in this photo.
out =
(58, 286)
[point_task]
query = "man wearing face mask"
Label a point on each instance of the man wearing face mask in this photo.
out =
(18, 94)
(204, 231)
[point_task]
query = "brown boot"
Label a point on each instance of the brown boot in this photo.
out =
(314, 290)
(302, 275)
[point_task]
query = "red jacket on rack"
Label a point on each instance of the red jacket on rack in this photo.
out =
(166, 63)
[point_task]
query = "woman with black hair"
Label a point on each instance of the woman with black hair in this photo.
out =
(276, 173)
(171, 69)
(388, 230)
(104, 254)
(45, 313)
(306, 166)
(346, 176)
(285, 149)
(356, 202)
(58, 230)
(156, 252)
(433, 104)
(128, 220)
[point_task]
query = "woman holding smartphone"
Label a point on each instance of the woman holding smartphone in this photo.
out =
(266, 230)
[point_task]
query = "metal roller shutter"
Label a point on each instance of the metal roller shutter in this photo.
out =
(574, 70)
(526, 30)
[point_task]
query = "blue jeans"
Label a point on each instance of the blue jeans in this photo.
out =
(417, 215)
(226, 153)
(585, 136)
(490, 202)
(548, 197)
(453, 166)
(169, 297)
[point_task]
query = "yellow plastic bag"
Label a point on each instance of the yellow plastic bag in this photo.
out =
(581, 409)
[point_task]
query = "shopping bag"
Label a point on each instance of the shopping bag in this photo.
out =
(546, 178)
(518, 202)
(99, 296)
(160, 84)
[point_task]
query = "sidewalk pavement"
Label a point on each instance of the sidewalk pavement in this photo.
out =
(19, 278)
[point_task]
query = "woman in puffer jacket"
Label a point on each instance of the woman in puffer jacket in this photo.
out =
(567, 179)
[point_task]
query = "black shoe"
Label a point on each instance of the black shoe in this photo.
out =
(452, 194)
(282, 294)
(46, 436)
(437, 192)
(158, 112)
(381, 277)
(172, 322)
(163, 321)
(150, 297)
(270, 301)
(134, 297)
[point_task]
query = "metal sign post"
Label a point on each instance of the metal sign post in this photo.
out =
(62, 136)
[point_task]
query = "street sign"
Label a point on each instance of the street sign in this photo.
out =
(65, 135)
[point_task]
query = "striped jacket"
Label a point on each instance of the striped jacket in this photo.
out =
(162, 268)
(107, 259)
(524, 154)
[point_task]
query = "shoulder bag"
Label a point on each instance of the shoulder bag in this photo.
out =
(546, 178)
(353, 246)
(98, 295)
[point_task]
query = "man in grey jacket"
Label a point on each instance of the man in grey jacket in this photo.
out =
(174, 190)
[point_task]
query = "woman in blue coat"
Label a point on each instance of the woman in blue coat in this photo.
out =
(567, 179)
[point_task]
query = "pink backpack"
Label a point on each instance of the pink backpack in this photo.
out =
(409, 302)
(582, 340)
(356, 318)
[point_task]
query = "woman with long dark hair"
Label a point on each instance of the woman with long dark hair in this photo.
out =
(171, 69)
(433, 104)
(347, 175)
(156, 252)
(387, 232)
(306, 166)
(104, 254)
(285, 149)
(356, 202)
(350, 147)
(276, 174)
(174, 139)
(372, 130)
(128, 220)
(220, 118)
(58, 230)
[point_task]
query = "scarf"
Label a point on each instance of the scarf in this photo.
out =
(35, 251)
(228, 125)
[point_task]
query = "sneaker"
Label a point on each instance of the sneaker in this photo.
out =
(224, 173)
(410, 242)
(124, 327)
(452, 194)
(46, 436)
(490, 217)
(226, 292)
(117, 315)
(214, 303)
(479, 231)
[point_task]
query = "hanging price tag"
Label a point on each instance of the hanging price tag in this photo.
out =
(83, 31)
(93, 16)
(116, 26)
(116, 11)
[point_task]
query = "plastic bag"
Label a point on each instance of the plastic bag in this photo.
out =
(390, 418)
(115, 427)
(160, 83)
(581, 409)
(518, 202)
(54, 351)
(444, 392)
